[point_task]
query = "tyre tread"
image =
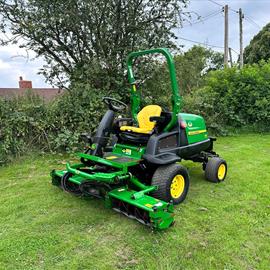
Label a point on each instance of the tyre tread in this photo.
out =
(162, 173)
(212, 167)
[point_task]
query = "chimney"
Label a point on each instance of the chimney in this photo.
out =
(24, 84)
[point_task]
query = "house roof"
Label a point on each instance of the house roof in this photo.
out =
(46, 93)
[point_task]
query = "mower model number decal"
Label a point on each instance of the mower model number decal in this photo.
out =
(158, 204)
(196, 132)
(127, 151)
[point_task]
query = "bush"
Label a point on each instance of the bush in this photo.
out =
(230, 99)
(79, 110)
(28, 123)
(22, 124)
(233, 98)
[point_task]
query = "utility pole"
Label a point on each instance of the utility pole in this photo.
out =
(241, 16)
(230, 53)
(226, 35)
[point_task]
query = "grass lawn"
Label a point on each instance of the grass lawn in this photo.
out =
(219, 226)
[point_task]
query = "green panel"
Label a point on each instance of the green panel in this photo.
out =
(101, 160)
(59, 173)
(195, 127)
(76, 179)
(146, 202)
(129, 151)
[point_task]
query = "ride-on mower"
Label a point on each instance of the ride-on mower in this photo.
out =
(134, 163)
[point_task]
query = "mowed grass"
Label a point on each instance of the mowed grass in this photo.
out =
(219, 226)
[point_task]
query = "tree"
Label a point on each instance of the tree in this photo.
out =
(191, 67)
(194, 64)
(259, 47)
(89, 40)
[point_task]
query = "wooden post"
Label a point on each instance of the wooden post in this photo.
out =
(230, 53)
(226, 35)
(241, 59)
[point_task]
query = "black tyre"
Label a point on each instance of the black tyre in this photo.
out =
(216, 170)
(173, 183)
(69, 186)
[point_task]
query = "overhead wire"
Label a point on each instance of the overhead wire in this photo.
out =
(206, 44)
(201, 43)
(250, 20)
(234, 10)
(214, 2)
(202, 19)
(247, 17)
(234, 50)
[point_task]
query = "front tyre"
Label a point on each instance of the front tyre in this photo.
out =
(216, 170)
(69, 186)
(173, 183)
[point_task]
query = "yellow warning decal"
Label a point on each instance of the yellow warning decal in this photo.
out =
(197, 132)
(111, 157)
(149, 205)
(134, 87)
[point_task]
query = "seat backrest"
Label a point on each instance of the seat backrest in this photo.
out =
(145, 114)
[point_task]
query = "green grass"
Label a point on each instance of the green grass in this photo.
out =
(219, 226)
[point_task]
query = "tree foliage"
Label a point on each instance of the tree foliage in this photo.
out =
(191, 67)
(76, 36)
(259, 47)
(229, 98)
(234, 98)
(28, 123)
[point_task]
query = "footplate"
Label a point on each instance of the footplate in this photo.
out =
(146, 209)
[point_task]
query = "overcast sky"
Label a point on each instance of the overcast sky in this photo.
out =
(209, 30)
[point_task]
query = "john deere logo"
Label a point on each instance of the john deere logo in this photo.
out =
(189, 124)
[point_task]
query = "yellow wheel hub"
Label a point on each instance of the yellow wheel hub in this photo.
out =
(221, 171)
(177, 186)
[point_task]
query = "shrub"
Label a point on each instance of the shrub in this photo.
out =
(28, 123)
(234, 98)
(79, 110)
(23, 121)
(230, 99)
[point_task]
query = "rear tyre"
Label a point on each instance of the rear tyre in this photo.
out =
(173, 183)
(216, 170)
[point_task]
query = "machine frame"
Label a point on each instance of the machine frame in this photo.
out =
(140, 175)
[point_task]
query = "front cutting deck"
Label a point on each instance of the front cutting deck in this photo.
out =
(134, 203)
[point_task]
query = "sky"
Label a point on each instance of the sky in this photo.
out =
(208, 30)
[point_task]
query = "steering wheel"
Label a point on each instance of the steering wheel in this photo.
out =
(114, 104)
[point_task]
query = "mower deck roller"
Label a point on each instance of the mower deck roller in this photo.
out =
(133, 164)
(147, 210)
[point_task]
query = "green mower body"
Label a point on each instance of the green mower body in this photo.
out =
(136, 169)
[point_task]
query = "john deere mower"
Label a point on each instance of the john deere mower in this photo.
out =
(134, 164)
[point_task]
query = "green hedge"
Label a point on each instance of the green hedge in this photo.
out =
(231, 99)
(234, 98)
(28, 123)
